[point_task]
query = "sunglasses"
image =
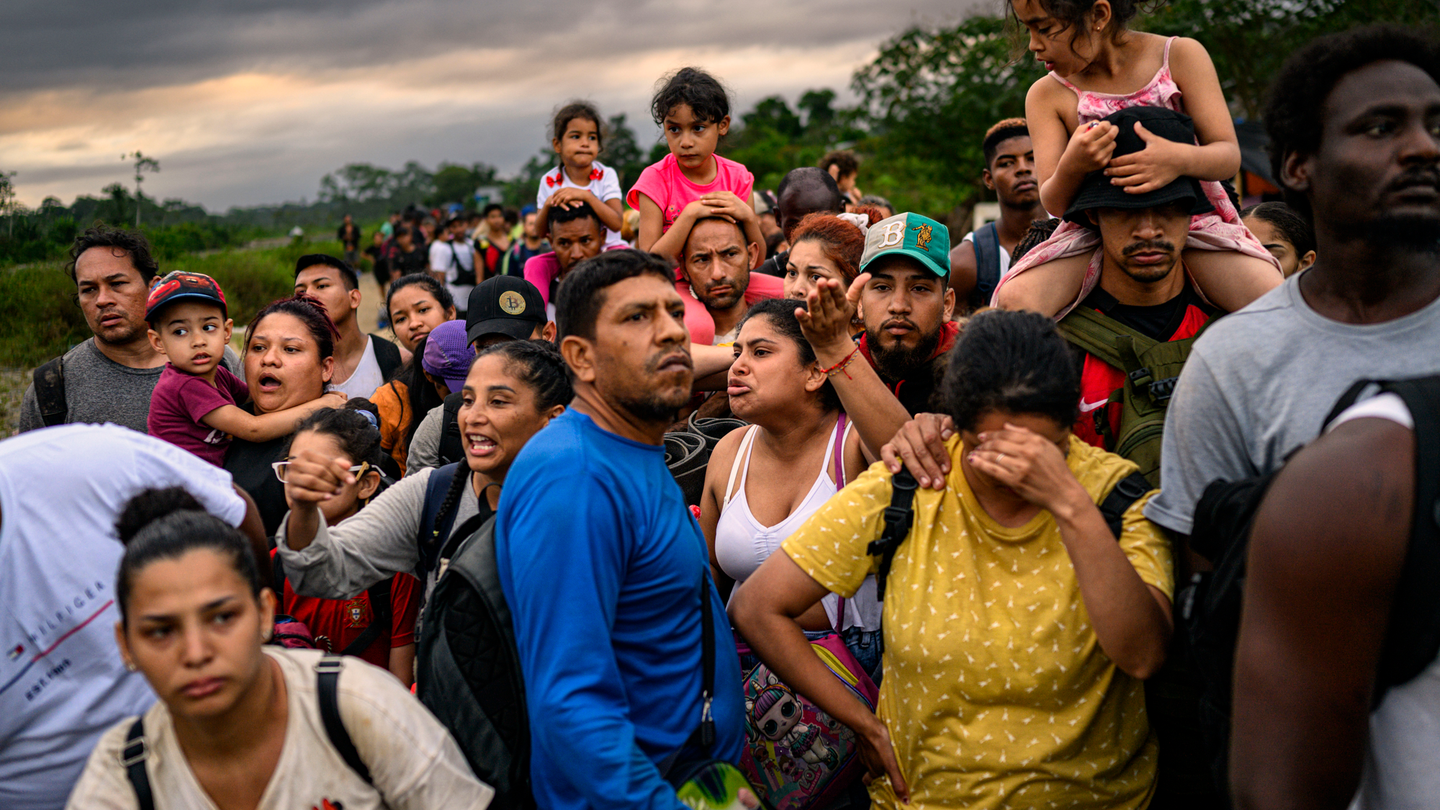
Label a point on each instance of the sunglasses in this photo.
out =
(280, 466)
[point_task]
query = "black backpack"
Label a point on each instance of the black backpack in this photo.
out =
(387, 356)
(1209, 608)
(327, 683)
(452, 446)
(986, 241)
(467, 664)
(50, 392)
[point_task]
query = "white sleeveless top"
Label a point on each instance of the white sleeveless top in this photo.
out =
(742, 543)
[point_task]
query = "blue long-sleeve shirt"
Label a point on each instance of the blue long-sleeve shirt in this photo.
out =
(600, 561)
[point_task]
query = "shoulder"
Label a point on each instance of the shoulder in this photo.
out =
(1047, 92)
(1265, 320)
(1097, 470)
(1185, 51)
(722, 458)
(763, 286)
(104, 783)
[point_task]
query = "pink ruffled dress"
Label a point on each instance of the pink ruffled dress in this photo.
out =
(1220, 229)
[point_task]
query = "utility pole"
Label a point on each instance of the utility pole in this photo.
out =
(7, 194)
(142, 164)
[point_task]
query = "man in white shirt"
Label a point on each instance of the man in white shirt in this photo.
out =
(362, 362)
(62, 683)
(452, 260)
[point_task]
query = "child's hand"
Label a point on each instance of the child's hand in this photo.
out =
(1154, 167)
(728, 204)
(335, 399)
(695, 210)
(1090, 148)
(569, 198)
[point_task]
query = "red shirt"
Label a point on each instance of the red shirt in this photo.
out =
(1099, 380)
(181, 400)
(341, 621)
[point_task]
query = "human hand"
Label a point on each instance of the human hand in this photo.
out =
(920, 446)
(569, 197)
(727, 204)
(335, 399)
(312, 477)
(1154, 167)
(1090, 147)
(878, 754)
(1028, 463)
(825, 321)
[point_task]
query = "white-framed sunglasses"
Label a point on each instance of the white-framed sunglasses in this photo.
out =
(280, 466)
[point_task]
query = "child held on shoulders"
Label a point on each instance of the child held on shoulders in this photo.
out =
(692, 182)
(194, 405)
(578, 137)
(1097, 66)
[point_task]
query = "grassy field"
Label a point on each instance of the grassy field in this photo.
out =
(39, 318)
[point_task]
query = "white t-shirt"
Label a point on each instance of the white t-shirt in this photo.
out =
(604, 184)
(412, 758)
(61, 680)
(366, 377)
(1002, 252)
(443, 256)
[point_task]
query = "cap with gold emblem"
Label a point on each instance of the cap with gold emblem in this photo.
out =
(912, 235)
(504, 305)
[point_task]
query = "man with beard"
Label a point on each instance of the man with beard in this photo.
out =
(983, 256)
(1143, 292)
(716, 283)
(108, 378)
(613, 660)
(904, 299)
(804, 191)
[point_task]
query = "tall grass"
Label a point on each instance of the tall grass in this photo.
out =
(40, 319)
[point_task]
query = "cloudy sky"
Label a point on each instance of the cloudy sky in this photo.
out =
(246, 102)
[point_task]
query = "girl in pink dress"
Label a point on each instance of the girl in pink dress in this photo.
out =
(1095, 66)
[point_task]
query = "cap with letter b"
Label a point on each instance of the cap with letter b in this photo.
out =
(912, 235)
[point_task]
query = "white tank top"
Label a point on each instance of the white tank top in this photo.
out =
(742, 543)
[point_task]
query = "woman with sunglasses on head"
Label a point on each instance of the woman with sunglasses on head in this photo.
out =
(239, 724)
(378, 624)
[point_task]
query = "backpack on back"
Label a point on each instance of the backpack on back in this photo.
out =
(986, 242)
(1209, 608)
(1151, 370)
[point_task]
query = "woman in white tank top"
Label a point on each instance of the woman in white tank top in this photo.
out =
(765, 481)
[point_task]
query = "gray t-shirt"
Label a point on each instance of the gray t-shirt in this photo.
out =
(1260, 382)
(425, 444)
(98, 390)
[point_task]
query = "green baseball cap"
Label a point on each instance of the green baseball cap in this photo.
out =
(921, 238)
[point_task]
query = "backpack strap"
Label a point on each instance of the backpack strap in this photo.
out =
(132, 758)
(1099, 334)
(986, 241)
(452, 444)
(327, 685)
(432, 536)
(1122, 496)
(899, 515)
(50, 392)
(381, 618)
(703, 737)
(387, 356)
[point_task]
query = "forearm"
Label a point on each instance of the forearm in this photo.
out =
(1213, 161)
(672, 242)
(874, 410)
(300, 526)
(402, 663)
(375, 543)
(1058, 192)
(609, 215)
(1132, 628)
(710, 360)
(260, 427)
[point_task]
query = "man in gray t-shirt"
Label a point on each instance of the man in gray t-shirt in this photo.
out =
(1259, 382)
(109, 378)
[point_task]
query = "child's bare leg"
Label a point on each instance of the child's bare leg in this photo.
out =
(1229, 279)
(1046, 288)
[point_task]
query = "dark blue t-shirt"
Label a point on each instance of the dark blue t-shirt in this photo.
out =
(601, 561)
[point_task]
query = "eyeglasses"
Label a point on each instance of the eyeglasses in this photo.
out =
(280, 466)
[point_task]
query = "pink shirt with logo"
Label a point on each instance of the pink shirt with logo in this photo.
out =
(668, 188)
(181, 400)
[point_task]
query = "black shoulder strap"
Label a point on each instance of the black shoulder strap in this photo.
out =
(382, 618)
(452, 445)
(899, 515)
(387, 356)
(50, 392)
(703, 737)
(132, 757)
(986, 241)
(327, 684)
(1123, 496)
(277, 581)
(431, 536)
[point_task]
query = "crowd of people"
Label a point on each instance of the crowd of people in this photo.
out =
(1132, 506)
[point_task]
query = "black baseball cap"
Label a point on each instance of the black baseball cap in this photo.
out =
(504, 305)
(1096, 190)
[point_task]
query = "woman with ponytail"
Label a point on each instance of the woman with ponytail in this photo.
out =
(512, 390)
(240, 724)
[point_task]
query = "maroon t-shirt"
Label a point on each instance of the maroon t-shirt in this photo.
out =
(181, 400)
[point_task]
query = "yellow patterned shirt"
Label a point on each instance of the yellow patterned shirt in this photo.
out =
(996, 692)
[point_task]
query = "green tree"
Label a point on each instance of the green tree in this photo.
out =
(7, 201)
(453, 183)
(622, 151)
(142, 164)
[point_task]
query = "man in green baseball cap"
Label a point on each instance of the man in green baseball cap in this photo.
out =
(906, 305)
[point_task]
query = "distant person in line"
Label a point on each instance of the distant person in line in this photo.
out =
(349, 236)
(110, 376)
(1282, 231)
(491, 240)
(844, 166)
(453, 262)
(362, 362)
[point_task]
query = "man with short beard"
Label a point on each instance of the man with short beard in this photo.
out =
(717, 280)
(108, 378)
(605, 571)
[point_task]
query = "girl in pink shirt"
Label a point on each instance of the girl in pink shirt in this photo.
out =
(692, 182)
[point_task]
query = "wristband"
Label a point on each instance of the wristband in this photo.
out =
(840, 366)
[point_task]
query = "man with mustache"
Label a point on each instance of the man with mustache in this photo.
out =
(605, 571)
(1143, 287)
(716, 277)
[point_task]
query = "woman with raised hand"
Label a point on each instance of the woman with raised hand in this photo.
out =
(1018, 626)
(239, 724)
